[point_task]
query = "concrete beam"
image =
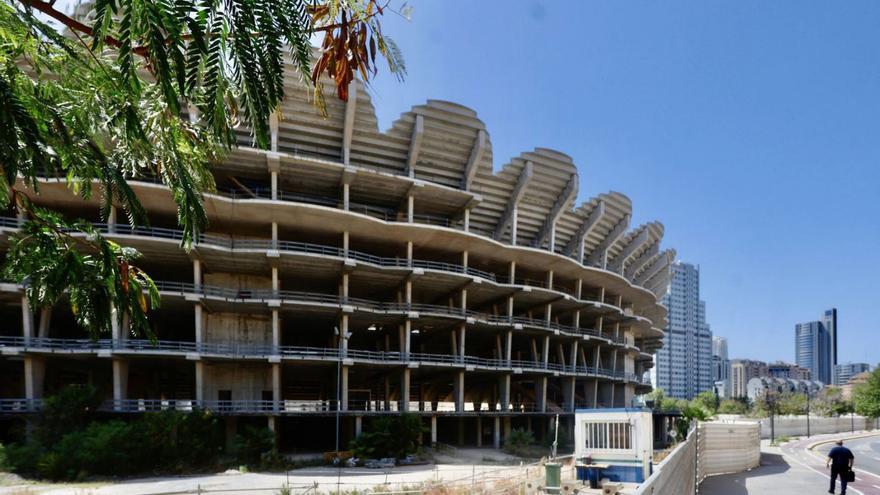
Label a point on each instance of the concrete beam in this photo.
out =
(473, 162)
(656, 267)
(566, 197)
(576, 243)
(348, 123)
(415, 143)
(519, 190)
(599, 256)
(631, 248)
(642, 261)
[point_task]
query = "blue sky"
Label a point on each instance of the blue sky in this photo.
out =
(749, 128)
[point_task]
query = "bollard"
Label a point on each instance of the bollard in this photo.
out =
(553, 476)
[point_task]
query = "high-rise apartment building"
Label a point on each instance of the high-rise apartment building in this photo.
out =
(816, 346)
(684, 363)
(720, 366)
(743, 370)
(844, 372)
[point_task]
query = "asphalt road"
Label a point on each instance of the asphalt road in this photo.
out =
(867, 475)
(866, 451)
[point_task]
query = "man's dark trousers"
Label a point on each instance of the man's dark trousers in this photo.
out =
(835, 471)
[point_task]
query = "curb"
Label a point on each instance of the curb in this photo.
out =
(813, 445)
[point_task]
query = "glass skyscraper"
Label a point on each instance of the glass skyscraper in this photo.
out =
(816, 347)
(684, 363)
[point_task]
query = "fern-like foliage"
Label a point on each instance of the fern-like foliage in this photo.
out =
(146, 88)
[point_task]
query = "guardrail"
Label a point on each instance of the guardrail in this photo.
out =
(284, 407)
(299, 352)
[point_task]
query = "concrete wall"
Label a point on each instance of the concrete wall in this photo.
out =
(711, 448)
(796, 426)
(237, 328)
(245, 381)
(676, 474)
(727, 447)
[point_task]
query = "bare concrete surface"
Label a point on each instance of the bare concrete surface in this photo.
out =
(792, 469)
(468, 465)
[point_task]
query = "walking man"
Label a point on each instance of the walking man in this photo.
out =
(840, 459)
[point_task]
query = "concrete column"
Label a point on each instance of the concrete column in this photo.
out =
(541, 394)
(550, 279)
(545, 351)
(458, 391)
(199, 327)
(274, 235)
(274, 182)
(504, 391)
(479, 431)
(197, 273)
(508, 349)
(27, 319)
(276, 282)
(111, 220)
(120, 379)
(276, 385)
(200, 381)
(553, 237)
(463, 301)
(276, 330)
(409, 255)
(346, 195)
(467, 220)
(34, 376)
(574, 355)
(345, 242)
(271, 423)
(343, 336)
(464, 260)
(462, 331)
(45, 322)
(404, 390)
(343, 392)
(433, 430)
(510, 306)
(410, 208)
(568, 392)
(496, 433)
(358, 426)
(512, 271)
(514, 217)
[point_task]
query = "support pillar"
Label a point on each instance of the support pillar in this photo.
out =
(433, 431)
(27, 320)
(545, 352)
(410, 208)
(458, 391)
(541, 394)
(504, 391)
(343, 390)
(200, 381)
(568, 393)
(276, 386)
(404, 390)
(111, 220)
(496, 433)
(34, 376)
(120, 381)
(358, 426)
(199, 324)
(45, 322)
(276, 331)
(479, 431)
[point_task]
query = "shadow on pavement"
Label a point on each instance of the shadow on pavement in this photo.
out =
(735, 484)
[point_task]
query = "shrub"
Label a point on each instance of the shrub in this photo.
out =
(389, 437)
(251, 444)
(518, 441)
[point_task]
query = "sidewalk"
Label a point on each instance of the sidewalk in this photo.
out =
(776, 474)
(790, 470)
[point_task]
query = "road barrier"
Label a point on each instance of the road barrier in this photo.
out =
(710, 448)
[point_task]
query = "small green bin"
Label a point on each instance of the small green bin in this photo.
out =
(553, 472)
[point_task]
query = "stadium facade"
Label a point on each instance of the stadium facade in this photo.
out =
(354, 273)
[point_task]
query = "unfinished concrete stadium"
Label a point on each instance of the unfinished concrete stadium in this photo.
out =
(354, 273)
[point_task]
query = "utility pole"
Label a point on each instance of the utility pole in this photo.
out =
(808, 413)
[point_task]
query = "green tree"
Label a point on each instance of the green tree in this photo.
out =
(830, 402)
(733, 406)
(791, 403)
(101, 102)
(866, 396)
(707, 401)
(663, 403)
